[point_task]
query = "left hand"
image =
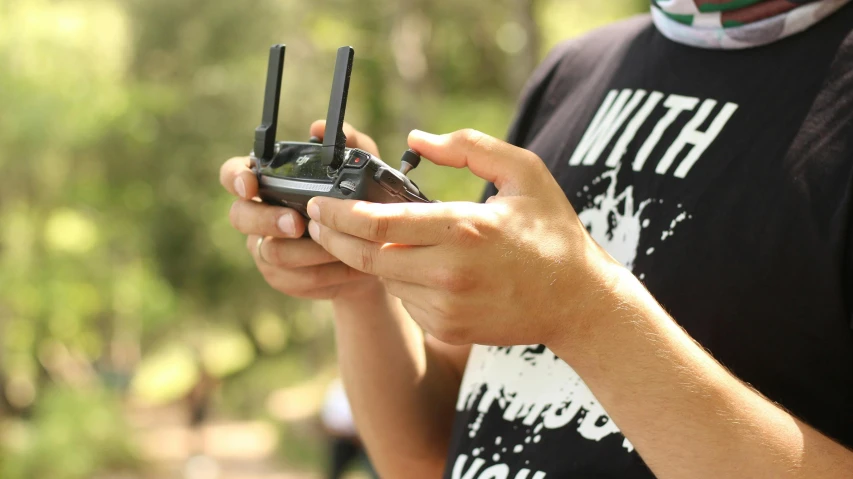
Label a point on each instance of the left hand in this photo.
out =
(518, 269)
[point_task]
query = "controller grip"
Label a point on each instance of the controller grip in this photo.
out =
(293, 200)
(297, 194)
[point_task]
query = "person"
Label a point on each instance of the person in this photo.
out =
(345, 447)
(659, 282)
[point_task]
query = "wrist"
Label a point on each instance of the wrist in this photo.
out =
(602, 294)
(363, 299)
(357, 292)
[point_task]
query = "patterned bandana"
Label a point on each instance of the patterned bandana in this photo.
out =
(734, 24)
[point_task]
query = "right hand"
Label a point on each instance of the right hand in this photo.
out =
(291, 264)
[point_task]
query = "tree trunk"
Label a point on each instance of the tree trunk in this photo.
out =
(409, 37)
(525, 61)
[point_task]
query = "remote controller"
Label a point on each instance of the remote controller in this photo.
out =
(291, 173)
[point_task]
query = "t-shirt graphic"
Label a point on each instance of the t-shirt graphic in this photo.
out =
(723, 181)
(614, 217)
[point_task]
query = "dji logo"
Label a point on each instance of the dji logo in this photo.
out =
(302, 160)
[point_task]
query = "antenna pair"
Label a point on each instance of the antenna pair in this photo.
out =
(334, 139)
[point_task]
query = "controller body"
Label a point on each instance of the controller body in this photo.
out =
(291, 173)
(296, 173)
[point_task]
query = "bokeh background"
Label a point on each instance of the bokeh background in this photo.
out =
(135, 333)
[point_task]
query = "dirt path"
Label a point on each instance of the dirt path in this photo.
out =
(217, 450)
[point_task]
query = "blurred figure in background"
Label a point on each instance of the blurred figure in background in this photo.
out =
(198, 404)
(346, 448)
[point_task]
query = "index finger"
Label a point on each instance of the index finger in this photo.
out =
(355, 138)
(513, 170)
(416, 224)
(237, 177)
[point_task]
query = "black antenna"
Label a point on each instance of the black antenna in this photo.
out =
(265, 134)
(334, 140)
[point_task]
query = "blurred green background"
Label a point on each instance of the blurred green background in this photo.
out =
(134, 330)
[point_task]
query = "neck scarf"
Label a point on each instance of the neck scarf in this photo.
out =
(736, 24)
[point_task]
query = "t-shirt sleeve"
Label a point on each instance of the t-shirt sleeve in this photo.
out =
(529, 102)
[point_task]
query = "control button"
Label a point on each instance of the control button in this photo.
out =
(358, 159)
(347, 187)
(389, 180)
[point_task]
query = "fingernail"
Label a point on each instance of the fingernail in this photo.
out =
(314, 230)
(314, 210)
(285, 224)
(240, 187)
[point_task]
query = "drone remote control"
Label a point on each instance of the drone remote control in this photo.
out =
(291, 173)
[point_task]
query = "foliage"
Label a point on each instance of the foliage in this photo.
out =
(73, 434)
(117, 262)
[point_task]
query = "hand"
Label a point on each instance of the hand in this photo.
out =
(293, 265)
(514, 270)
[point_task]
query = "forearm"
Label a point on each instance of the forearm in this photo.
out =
(685, 414)
(402, 391)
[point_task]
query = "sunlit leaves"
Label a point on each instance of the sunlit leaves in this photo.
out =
(165, 375)
(73, 434)
(64, 60)
(225, 352)
(271, 332)
(68, 231)
(559, 20)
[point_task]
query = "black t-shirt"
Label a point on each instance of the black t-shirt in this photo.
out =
(722, 179)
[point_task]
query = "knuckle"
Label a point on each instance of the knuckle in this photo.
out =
(378, 227)
(472, 138)
(535, 162)
(444, 308)
(270, 221)
(366, 259)
(275, 253)
(280, 281)
(325, 242)
(311, 277)
(330, 219)
(454, 280)
(275, 281)
(450, 334)
(471, 141)
(466, 233)
(470, 135)
(533, 157)
(234, 214)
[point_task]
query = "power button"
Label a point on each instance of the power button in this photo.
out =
(357, 159)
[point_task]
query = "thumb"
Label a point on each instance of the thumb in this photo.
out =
(513, 170)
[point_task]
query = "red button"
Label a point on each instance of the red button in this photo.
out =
(358, 159)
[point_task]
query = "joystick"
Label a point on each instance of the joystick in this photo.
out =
(411, 159)
(291, 173)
